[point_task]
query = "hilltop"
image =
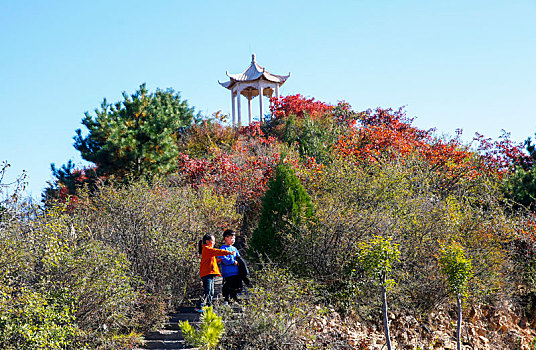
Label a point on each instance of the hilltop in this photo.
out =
(332, 206)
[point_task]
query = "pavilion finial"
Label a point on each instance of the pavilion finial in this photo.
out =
(253, 58)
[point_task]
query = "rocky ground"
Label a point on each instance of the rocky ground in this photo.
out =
(499, 327)
(483, 328)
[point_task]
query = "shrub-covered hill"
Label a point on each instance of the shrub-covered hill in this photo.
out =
(319, 195)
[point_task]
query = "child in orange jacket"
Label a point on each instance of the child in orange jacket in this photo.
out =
(209, 268)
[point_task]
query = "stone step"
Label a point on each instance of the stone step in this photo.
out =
(186, 309)
(183, 316)
(166, 344)
(164, 335)
(174, 326)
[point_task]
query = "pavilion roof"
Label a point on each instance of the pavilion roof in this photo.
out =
(252, 73)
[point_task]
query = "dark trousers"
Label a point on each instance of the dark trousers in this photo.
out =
(208, 291)
(232, 285)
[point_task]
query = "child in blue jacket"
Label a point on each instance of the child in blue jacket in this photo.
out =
(232, 282)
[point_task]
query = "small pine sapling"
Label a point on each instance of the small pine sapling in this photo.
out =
(209, 333)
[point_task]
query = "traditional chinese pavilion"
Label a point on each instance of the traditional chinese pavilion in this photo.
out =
(254, 81)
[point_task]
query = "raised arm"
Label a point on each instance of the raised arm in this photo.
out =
(217, 252)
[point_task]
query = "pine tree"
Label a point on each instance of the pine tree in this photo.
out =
(284, 206)
(136, 136)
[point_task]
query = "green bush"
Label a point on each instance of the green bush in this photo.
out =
(313, 137)
(277, 315)
(157, 225)
(404, 199)
(126, 254)
(32, 320)
(79, 287)
(204, 139)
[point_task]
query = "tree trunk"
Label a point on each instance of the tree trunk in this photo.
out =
(385, 319)
(459, 328)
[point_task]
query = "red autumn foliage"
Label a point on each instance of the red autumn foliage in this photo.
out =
(501, 154)
(244, 172)
(242, 161)
(390, 133)
(382, 132)
(254, 132)
(344, 116)
(298, 105)
(246, 169)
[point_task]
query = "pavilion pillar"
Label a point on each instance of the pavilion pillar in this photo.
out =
(276, 90)
(260, 102)
(271, 103)
(233, 108)
(249, 110)
(239, 109)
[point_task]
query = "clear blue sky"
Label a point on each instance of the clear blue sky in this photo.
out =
(454, 64)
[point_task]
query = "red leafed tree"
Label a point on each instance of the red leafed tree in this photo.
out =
(244, 171)
(298, 105)
(390, 133)
(502, 154)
